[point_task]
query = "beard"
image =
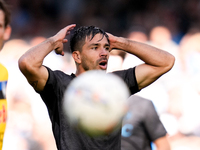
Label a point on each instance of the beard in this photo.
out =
(92, 65)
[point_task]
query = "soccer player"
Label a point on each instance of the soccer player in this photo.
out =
(142, 128)
(5, 31)
(90, 47)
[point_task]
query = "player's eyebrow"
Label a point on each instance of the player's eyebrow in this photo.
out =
(97, 44)
(94, 44)
(107, 45)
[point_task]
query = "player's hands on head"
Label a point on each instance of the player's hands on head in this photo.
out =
(60, 38)
(112, 40)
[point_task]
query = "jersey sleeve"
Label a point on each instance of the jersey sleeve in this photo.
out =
(152, 123)
(53, 92)
(129, 78)
(48, 94)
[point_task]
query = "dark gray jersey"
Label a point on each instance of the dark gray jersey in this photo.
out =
(141, 125)
(67, 138)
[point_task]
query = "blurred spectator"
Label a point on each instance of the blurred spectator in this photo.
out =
(188, 100)
(190, 52)
(160, 36)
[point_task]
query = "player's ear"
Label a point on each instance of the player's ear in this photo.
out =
(76, 56)
(7, 32)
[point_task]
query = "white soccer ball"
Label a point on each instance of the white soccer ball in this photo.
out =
(96, 102)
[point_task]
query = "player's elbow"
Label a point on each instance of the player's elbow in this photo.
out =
(169, 63)
(24, 65)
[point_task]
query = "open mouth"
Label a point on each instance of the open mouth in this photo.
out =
(103, 64)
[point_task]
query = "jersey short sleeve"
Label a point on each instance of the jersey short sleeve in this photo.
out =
(54, 89)
(129, 78)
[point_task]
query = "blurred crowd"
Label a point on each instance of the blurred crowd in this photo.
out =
(168, 25)
(46, 17)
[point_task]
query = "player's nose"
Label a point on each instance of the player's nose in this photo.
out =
(104, 52)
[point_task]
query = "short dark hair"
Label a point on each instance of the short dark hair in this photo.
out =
(77, 39)
(4, 7)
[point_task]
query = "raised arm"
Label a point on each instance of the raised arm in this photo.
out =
(157, 62)
(31, 62)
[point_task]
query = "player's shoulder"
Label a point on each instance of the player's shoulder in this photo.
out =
(124, 71)
(59, 77)
(59, 73)
(63, 77)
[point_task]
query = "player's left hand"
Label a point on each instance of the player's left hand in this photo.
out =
(113, 41)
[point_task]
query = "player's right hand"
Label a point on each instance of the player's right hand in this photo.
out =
(60, 38)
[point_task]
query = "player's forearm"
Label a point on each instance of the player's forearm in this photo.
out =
(163, 147)
(149, 54)
(33, 58)
(162, 143)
